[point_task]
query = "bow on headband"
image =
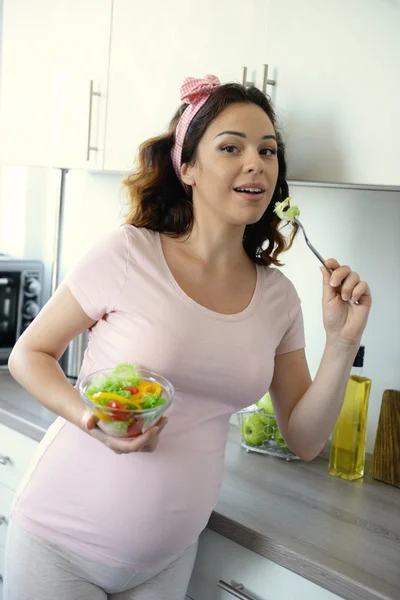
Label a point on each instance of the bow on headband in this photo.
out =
(196, 93)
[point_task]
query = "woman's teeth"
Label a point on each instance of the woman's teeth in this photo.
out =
(249, 190)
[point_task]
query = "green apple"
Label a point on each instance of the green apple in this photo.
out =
(254, 430)
(270, 425)
(279, 439)
(266, 404)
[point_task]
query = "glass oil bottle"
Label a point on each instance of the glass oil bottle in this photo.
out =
(347, 455)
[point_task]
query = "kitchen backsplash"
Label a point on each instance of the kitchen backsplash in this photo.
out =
(359, 228)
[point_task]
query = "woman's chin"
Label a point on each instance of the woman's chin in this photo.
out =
(249, 217)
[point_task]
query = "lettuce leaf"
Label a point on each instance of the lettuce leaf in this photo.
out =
(286, 212)
(153, 400)
(121, 376)
(125, 374)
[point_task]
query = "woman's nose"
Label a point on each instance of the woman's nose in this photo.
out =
(253, 162)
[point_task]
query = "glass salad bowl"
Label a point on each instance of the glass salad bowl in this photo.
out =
(127, 400)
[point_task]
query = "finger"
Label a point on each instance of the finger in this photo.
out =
(152, 445)
(329, 293)
(348, 285)
(134, 444)
(332, 263)
(339, 275)
(361, 293)
(89, 420)
(162, 423)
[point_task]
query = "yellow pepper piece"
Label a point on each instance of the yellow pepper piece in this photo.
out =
(136, 400)
(148, 387)
(108, 396)
(102, 417)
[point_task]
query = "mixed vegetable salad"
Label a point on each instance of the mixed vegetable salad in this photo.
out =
(120, 393)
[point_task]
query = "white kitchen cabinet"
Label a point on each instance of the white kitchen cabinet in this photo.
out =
(156, 44)
(16, 453)
(6, 498)
(221, 559)
(336, 65)
(51, 52)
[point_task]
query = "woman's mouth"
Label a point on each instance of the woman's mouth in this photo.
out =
(250, 193)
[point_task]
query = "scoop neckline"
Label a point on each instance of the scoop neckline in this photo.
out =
(245, 313)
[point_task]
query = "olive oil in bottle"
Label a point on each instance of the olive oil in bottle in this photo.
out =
(347, 456)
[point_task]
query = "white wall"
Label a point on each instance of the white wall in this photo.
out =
(360, 229)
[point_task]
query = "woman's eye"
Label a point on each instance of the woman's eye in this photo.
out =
(229, 149)
(268, 151)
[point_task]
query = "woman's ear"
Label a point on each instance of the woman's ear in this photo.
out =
(187, 174)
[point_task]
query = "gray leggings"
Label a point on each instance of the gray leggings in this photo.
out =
(36, 569)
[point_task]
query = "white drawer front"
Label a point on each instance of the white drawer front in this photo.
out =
(2, 549)
(6, 498)
(221, 559)
(16, 453)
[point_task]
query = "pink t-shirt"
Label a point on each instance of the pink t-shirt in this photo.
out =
(138, 510)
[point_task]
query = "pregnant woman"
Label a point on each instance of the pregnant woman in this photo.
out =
(187, 288)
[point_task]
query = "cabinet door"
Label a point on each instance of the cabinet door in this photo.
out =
(51, 52)
(336, 65)
(156, 44)
(221, 559)
(1, 570)
(6, 498)
(16, 453)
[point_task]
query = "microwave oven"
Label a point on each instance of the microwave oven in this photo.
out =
(21, 298)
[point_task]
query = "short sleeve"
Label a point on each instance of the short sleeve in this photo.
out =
(294, 338)
(97, 279)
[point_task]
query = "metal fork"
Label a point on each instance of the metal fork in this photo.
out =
(317, 254)
(309, 244)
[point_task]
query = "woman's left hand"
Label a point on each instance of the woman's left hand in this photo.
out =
(343, 319)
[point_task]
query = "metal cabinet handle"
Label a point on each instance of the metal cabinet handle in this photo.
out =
(246, 83)
(1, 578)
(5, 459)
(235, 590)
(267, 81)
(91, 94)
(3, 521)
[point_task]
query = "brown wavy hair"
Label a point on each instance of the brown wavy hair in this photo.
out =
(158, 201)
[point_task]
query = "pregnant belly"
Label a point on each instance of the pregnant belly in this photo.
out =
(135, 510)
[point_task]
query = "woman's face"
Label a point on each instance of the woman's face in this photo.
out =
(238, 152)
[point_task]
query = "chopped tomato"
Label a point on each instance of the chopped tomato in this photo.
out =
(135, 428)
(118, 415)
(131, 389)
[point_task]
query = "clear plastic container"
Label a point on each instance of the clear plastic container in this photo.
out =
(127, 423)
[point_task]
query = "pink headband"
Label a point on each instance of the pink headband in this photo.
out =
(196, 93)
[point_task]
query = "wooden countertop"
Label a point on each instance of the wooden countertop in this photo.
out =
(344, 536)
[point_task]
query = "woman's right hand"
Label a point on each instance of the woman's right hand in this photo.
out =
(146, 442)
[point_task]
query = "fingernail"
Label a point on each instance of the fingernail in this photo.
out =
(333, 283)
(155, 430)
(345, 297)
